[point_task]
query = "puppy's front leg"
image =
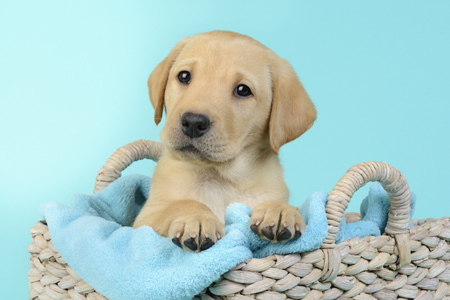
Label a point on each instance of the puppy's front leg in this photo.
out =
(190, 224)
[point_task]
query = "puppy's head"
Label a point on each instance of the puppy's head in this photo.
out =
(224, 92)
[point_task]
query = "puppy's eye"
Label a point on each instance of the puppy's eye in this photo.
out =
(184, 77)
(243, 91)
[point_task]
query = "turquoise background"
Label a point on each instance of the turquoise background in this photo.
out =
(73, 89)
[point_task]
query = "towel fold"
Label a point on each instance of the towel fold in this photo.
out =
(123, 263)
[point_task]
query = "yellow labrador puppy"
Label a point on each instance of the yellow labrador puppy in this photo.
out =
(231, 103)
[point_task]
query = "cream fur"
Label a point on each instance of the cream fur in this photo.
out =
(237, 158)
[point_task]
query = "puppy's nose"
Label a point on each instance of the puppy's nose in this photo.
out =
(194, 125)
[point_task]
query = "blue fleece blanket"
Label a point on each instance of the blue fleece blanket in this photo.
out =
(123, 263)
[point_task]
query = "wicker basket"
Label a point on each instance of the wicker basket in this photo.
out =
(403, 263)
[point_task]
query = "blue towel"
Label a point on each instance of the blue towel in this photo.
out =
(123, 263)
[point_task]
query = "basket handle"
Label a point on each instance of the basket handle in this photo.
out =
(124, 157)
(397, 189)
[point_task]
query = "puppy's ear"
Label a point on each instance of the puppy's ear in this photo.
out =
(158, 80)
(292, 113)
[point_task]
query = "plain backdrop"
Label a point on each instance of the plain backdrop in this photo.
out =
(73, 89)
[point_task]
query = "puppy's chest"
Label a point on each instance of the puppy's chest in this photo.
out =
(218, 195)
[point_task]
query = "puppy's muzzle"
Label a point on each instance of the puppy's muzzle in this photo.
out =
(194, 125)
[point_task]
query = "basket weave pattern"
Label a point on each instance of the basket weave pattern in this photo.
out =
(50, 277)
(366, 271)
(403, 263)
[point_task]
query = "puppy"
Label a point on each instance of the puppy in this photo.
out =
(231, 103)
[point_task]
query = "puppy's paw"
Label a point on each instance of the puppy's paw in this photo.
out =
(196, 232)
(277, 222)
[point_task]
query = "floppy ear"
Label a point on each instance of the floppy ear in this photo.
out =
(292, 113)
(158, 80)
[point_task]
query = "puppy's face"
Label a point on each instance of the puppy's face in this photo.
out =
(219, 91)
(217, 98)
